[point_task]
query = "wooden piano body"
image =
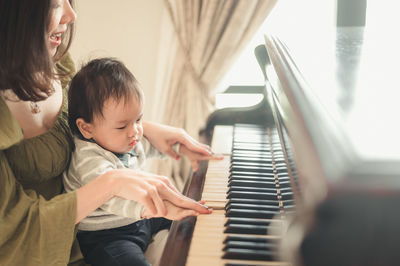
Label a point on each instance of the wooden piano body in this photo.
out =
(333, 103)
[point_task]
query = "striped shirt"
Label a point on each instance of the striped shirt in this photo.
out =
(88, 161)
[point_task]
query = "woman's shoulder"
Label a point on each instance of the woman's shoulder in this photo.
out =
(10, 130)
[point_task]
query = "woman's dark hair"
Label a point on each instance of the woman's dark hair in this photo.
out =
(96, 82)
(24, 48)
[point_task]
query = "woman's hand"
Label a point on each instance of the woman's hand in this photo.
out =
(152, 191)
(164, 137)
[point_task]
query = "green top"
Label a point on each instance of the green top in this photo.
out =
(37, 221)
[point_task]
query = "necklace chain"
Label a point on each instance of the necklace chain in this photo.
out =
(11, 97)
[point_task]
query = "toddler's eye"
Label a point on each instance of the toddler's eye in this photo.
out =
(121, 127)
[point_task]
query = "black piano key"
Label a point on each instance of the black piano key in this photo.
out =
(246, 254)
(255, 201)
(252, 141)
(250, 178)
(253, 178)
(289, 202)
(251, 213)
(284, 183)
(253, 149)
(246, 229)
(289, 208)
(252, 195)
(251, 229)
(251, 138)
(245, 174)
(251, 189)
(246, 157)
(287, 196)
(250, 131)
(239, 168)
(258, 162)
(250, 134)
(249, 245)
(251, 163)
(251, 146)
(255, 154)
(260, 155)
(246, 221)
(251, 183)
(278, 179)
(250, 159)
(249, 238)
(251, 206)
(279, 159)
(245, 133)
(277, 147)
(258, 170)
(282, 171)
(283, 191)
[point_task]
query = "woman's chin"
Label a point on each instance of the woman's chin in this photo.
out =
(52, 51)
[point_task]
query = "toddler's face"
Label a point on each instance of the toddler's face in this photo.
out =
(120, 128)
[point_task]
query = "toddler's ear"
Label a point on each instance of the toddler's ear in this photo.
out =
(84, 128)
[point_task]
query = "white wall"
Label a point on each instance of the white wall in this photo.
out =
(126, 29)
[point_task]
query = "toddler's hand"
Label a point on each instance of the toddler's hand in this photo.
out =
(173, 212)
(195, 157)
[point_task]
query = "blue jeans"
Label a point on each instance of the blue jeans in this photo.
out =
(120, 246)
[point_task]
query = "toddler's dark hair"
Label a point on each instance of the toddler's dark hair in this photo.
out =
(94, 84)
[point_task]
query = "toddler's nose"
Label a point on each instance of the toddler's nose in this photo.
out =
(133, 130)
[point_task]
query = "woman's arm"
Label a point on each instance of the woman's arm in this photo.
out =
(148, 189)
(31, 225)
(93, 195)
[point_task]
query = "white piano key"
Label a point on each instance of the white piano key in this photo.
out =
(222, 139)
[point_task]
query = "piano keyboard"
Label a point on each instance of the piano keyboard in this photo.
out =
(250, 193)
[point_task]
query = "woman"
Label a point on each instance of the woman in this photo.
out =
(37, 222)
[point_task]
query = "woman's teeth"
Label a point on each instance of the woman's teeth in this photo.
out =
(56, 37)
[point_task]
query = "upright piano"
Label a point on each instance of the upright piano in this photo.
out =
(311, 174)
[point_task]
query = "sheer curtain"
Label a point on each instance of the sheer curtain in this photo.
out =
(200, 40)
